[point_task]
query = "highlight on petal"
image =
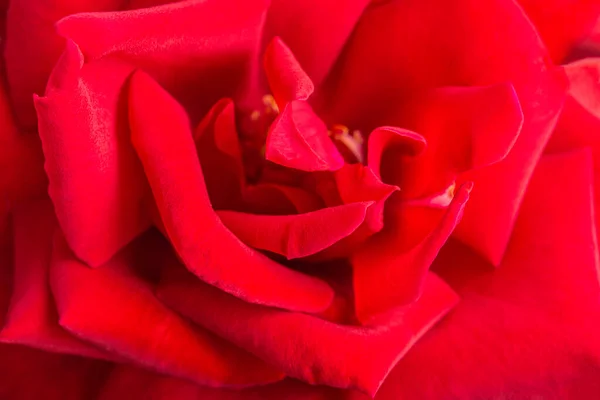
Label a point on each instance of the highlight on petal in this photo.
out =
(287, 79)
(96, 181)
(186, 46)
(387, 275)
(463, 49)
(528, 328)
(32, 46)
(32, 319)
(295, 236)
(164, 144)
(304, 346)
(298, 139)
(114, 308)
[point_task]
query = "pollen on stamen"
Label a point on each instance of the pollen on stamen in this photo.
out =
(270, 104)
(352, 141)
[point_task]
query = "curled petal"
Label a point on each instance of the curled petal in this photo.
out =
(391, 141)
(96, 181)
(304, 346)
(287, 79)
(387, 275)
(298, 139)
(295, 236)
(164, 144)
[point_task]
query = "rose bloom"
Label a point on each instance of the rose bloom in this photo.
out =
(318, 199)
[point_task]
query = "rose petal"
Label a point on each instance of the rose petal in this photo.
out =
(562, 23)
(304, 346)
(32, 318)
(463, 49)
(32, 47)
(295, 236)
(156, 337)
(220, 156)
(96, 181)
(187, 46)
(274, 199)
(32, 374)
(298, 139)
(22, 173)
(165, 146)
(465, 129)
(528, 328)
(125, 380)
(386, 275)
(287, 79)
(315, 30)
(389, 139)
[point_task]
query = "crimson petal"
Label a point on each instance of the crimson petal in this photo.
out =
(164, 143)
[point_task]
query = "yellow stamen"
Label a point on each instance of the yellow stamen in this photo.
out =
(352, 141)
(270, 104)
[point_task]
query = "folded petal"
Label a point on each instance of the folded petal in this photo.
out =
(32, 318)
(187, 46)
(164, 144)
(96, 181)
(385, 62)
(528, 328)
(315, 30)
(298, 139)
(387, 275)
(32, 46)
(304, 346)
(276, 199)
(287, 79)
(388, 144)
(300, 235)
(116, 309)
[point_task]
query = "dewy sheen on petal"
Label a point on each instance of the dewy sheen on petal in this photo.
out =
(164, 143)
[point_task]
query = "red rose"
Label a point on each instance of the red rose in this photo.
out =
(232, 199)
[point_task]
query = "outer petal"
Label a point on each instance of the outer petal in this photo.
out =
(298, 139)
(307, 347)
(32, 46)
(527, 329)
(125, 380)
(165, 146)
(21, 158)
(562, 23)
(387, 275)
(116, 309)
(187, 46)
(385, 60)
(96, 181)
(315, 30)
(32, 318)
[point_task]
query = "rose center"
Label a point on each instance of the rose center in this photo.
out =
(254, 129)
